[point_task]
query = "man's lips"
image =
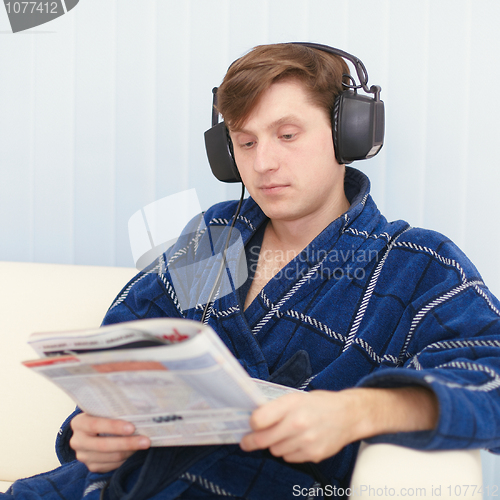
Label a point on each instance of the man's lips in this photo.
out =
(272, 188)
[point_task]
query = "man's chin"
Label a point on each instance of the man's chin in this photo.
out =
(280, 213)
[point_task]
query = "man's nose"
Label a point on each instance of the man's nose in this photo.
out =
(266, 157)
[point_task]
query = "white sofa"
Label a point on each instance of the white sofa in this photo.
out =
(44, 297)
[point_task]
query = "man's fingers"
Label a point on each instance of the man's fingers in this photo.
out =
(110, 444)
(104, 444)
(276, 427)
(260, 440)
(271, 413)
(97, 425)
(95, 463)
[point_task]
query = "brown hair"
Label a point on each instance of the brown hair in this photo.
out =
(247, 78)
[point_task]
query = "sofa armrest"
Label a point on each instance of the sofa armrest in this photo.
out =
(42, 297)
(388, 471)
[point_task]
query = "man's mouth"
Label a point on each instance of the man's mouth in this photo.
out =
(272, 188)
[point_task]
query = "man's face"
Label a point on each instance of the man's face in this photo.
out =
(285, 156)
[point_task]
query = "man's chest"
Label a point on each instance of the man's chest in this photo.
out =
(269, 266)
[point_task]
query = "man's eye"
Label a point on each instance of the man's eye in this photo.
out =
(287, 137)
(247, 145)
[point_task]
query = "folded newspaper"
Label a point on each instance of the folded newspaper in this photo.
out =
(174, 379)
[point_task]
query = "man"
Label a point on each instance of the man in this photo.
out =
(389, 329)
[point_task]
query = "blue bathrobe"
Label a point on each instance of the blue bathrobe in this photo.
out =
(367, 303)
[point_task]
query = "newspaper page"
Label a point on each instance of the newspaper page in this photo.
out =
(175, 380)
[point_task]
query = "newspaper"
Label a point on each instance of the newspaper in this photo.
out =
(174, 379)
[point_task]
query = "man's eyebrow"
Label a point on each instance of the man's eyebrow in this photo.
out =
(293, 119)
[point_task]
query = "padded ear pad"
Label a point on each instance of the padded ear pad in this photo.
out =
(357, 126)
(220, 153)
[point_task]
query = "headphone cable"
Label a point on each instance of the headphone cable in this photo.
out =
(205, 316)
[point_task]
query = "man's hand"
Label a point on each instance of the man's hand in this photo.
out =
(103, 444)
(304, 427)
(311, 427)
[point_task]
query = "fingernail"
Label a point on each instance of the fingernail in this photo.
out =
(128, 428)
(144, 442)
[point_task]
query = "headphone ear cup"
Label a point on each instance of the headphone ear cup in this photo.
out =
(357, 127)
(220, 153)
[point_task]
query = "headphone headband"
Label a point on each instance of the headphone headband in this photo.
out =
(358, 65)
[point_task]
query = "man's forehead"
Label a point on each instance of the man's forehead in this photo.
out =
(285, 101)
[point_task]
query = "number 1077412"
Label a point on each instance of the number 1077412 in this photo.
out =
(32, 7)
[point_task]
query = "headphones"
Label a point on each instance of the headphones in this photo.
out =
(357, 123)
